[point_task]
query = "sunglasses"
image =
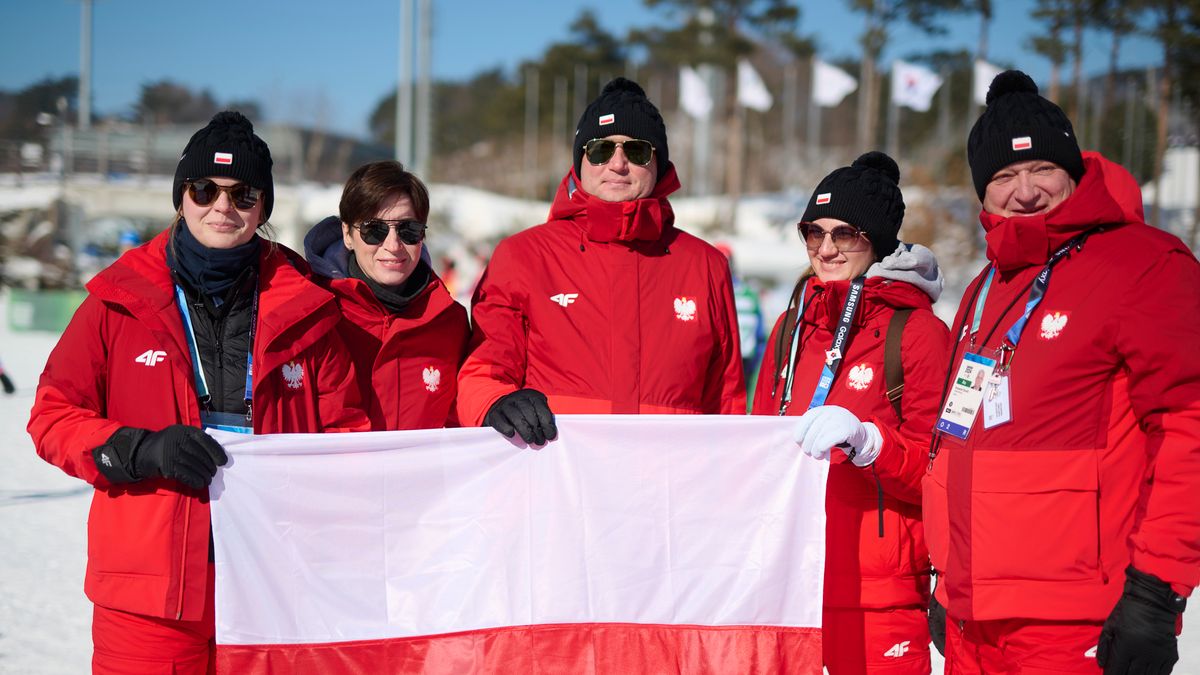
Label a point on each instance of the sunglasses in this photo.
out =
(375, 231)
(599, 150)
(204, 192)
(846, 239)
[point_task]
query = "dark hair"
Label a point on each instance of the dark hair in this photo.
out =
(372, 185)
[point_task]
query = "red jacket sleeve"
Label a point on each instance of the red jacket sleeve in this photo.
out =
(924, 357)
(67, 420)
(339, 401)
(1158, 335)
(496, 357)
(725, 384)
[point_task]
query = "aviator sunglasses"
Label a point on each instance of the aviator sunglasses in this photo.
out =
(204, 192)
(846, 239)
(375, 231)
(600, 150)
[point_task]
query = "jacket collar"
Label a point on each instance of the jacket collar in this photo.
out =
(646, 219)
(1101, 198)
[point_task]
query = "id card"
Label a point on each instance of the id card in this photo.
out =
(962, 406)
(996, 408)
(225, 422)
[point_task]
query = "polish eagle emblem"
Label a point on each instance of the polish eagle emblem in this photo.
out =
(1053, 324)
(293, 374)
(861, 376)
(432, 377)
(685, 309)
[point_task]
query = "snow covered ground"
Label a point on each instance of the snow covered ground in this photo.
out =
(45, 620)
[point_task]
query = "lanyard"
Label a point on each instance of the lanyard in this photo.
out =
(1037, 292)
(198, 369)
(833, 357)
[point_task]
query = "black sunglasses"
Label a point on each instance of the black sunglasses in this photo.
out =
(600, 150)
(204, 192)
(846, 239)
(375, 231)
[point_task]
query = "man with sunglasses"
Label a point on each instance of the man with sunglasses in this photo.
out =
(608, 307)
(404, 331)
(1060, 501)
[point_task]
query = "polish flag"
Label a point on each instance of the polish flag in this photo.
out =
(607, 119)
(1022, 143)
(630, 544)
(222, 158)
(824, 197)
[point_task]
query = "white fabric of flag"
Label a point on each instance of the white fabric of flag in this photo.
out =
(830, 84)
(984, 74)
(913, 86)
(694, 97)
(658, 519)
(752, 92)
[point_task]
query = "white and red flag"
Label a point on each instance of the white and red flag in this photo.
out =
(647, 544)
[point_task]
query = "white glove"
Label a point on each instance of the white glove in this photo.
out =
(828, 426)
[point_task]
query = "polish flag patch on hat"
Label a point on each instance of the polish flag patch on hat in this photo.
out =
(222, 158)
(1022, 143)
(607, 119)
(824, 197)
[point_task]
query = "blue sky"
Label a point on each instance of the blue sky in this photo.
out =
(329, 63)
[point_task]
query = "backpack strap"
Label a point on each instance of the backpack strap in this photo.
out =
(786, 332)
(893, 368)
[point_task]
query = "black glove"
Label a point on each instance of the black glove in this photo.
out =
(7, 383)
(180, 452)
(1139, 636)
(937, 624)
(525, 412)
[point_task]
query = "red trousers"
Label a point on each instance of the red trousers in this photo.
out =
(860, 641)
(135, 644)
(1021, 646)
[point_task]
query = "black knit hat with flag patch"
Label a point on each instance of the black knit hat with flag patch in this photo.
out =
(622, 109)
(227, 147)
(1020, 125)
(865, 194)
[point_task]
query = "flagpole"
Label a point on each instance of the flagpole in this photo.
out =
(814, 119)
(893, 120)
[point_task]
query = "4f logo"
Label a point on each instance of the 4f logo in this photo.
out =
(564, 299)
(897, 650)
(151, 357)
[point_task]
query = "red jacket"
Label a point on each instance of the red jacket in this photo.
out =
(148, 541)
(606, 308)
(1100, 465)
(863, 569)
(407, 363)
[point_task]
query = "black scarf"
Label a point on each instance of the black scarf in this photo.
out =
(394, 298)
(212, 271)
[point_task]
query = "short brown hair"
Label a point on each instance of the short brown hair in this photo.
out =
(371, 185)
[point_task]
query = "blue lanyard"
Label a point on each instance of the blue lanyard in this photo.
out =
(198, 369)
(834, 356)
(1037, 293)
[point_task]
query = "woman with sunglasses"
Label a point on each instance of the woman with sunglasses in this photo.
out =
(405, 332)
(206, 326)
(864, 307)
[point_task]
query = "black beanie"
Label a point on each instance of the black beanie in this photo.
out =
(865, 194)
(1020, 125)
(622, 109)
(227, 147)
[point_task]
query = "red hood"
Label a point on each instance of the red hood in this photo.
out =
(1107, 195)
(638, 220)
(878, 294)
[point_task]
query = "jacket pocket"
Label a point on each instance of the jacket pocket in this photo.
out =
(935, 515)
(1034, 515)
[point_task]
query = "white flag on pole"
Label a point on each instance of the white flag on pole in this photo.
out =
(831, 84)
(752, 92)
(984, 74)
(694, 96)
(913, 86)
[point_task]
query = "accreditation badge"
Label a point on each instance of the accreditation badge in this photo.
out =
(966, 395)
